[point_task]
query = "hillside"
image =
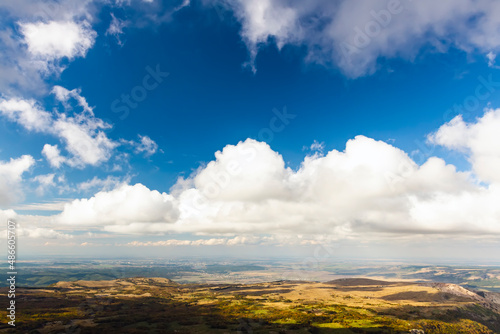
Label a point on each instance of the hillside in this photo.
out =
(159, 305)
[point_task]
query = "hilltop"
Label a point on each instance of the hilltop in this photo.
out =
(160, 305)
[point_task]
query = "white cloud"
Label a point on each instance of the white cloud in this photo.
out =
(81, 133)
(355, 35)
(41, 233)
(236, 241)
(45, 181)
(22, 71)
(57, 205)
(50, 10)
(116, 28)
(83, 139)
(368, 186)
(30, 232)
(64, 95)
(121, 206)
(7, 215)
(53, 155)
(480, 141)
(316, 147)
(465, 213)
(184, 3)
(250, 171)
(371, 186)
(174, 242)
(11, 176)
(108, 183)
(262, 19)
(146, 145)
(17, 72)
(27, 113)
(491, 59)
(55, 40)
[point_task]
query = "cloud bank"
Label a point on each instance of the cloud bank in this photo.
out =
(369, 188)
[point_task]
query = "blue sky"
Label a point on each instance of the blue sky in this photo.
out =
(416, 100)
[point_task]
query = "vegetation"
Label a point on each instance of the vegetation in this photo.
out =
(155, 305)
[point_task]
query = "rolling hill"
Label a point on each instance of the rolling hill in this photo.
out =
(160, 305)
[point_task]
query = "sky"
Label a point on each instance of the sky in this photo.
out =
(251, 128)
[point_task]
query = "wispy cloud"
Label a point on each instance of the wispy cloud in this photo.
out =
(144, 145)
(81, 133)
(116, 28)
(56, 205)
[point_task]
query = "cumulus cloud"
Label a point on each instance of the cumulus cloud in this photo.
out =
(228, 176)
(43, 49)
(11, 176)
(34, 34)
(370, 186)
(355, 35)
(55, 40)
(82, 132)
(121, 206)
(479, 140)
